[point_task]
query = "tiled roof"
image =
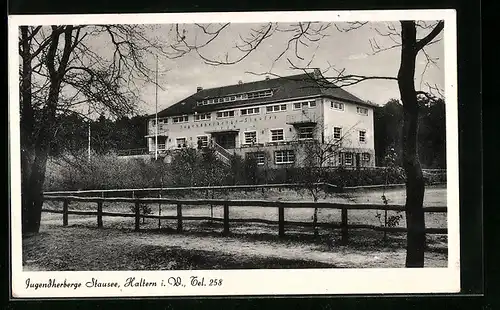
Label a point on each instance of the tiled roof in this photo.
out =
(284, 88)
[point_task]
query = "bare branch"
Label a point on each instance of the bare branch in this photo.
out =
(428, 38)
(341, 80)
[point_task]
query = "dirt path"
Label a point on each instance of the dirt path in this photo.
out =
(340, 256)
(83, 248)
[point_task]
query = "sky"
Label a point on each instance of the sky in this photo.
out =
(350, 50)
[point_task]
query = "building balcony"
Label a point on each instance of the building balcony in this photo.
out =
(162, 130)
(303, 117)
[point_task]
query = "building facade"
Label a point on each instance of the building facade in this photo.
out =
(274, 119)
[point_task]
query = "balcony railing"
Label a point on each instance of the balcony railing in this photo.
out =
(302, 117)
(223, 154)
(162, 129)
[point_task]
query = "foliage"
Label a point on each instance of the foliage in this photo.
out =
(391, 164)
(340, 176)
(61, 70)
(250, 168)
(192, 167)
(388, 122)
(106, 134)
(108, 171)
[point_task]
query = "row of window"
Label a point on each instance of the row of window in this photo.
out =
(340, 106)
(347, 158)
(225, 114)
(250, 137)
(288, 157)
(202, 117)
(303, 133)
(250, 111)
(180, 119)
(280, 157)
(337, 134)
(255, 111)
(236, 97)
(304, 104)
(202, 142)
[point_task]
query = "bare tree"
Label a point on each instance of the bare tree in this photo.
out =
(303, 34)
(62, 69)
(316, 155)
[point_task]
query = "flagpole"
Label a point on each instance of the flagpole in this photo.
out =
(89, 134)
(156, 110)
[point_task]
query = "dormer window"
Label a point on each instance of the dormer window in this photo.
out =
(235, 97)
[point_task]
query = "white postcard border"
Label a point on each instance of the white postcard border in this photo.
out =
(246, 282)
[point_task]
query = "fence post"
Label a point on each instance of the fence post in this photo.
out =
(65, 212)
(137, 216)
(159, 213)
(99, 214)
(281, 221)
(385, 224)
(226, 219)
(344, 227)
(179, 218)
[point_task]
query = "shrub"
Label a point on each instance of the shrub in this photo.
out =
(339, 176)
(74, 172)
(190, 167)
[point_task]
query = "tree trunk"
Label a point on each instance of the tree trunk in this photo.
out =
(315, 215)
(32, 194)
(28, 168)
(32, 190)
(415, 220)
(315, 222)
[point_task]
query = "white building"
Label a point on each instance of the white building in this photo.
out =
(269, 117)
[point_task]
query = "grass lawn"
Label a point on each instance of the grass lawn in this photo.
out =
(82, 246)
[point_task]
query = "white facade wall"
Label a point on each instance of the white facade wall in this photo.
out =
(262, 123)
(351, 123)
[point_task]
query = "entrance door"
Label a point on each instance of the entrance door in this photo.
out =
(226, 140)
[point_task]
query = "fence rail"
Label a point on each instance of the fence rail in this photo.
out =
(226, 219)
(131, 191)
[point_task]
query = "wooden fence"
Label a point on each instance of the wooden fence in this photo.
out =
(137, 192)
(142, 192)
(227, 204)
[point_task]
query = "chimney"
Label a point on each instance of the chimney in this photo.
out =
(199, 88)
(267, 77)
(240, 82)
